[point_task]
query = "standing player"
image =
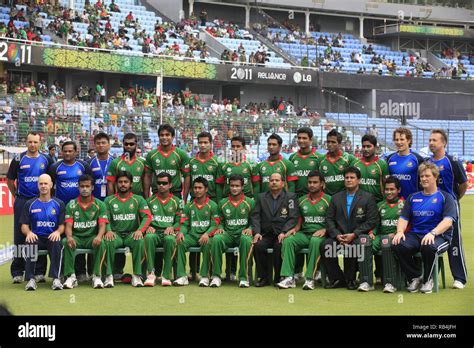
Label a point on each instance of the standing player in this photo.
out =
(453, 179)
(129, 217)
(404, 163)
(170, 159)
(309, 232)
(100, 165)
(381, 240)
(372, 169)
(86, 218)
(275, 163)
(42, 223)
(234, 213)
(332, 166)
(128, 162)
(22, 181)
(200, 218)
(166, 214)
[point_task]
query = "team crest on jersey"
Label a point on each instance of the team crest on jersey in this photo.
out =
(325, 168)
(296, 163)
(363, 240)
(410, 164)
(155, 207)
(173, 162)
(209, 168)
(360, 211)
(341, 167)
(92, 214)
(284, 211)
(206, 213)
(79, 172)
(385, 241)
(115, 206)
(170, 209)
(321, 208)
(264, 169)
(382, 211)
(243, 211)
(245, 171)
(399, 212)
(122, 168)
(76, 213)
(42, 165)
(195, 167)
(229, 170)
(227, 211)
(311, 163)
(441, 167)
(305, 208)
(157, 161)
(53, 211)
(373, 171)
(192, 213)
(139, 169)
(131, 206)
(278, 169)
(434, 200)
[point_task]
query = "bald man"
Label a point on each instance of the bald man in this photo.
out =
(42, 223)
(275, 213)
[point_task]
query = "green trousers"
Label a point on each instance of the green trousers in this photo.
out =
(219, 243)
(245, 256)
(292, 245)
(137, 248)
(83, 243)
(192, 240)
(168, 242)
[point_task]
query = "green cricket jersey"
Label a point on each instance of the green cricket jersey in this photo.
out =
(266, 168)
(313, 213)
(127, 215)
(234, 218)
(389, 214)
(207, 169)
(245, 168)
(303, 165)
(136, 167)
(333, 171)
(165, 213)
(174, 163)
(85, 218)
(199, 219)
(372, 176)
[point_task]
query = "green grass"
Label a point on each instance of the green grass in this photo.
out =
(230, 300)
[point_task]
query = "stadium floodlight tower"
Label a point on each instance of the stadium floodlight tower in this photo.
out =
(159, 92)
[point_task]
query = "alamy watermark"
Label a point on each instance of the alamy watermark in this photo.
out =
(9, 251)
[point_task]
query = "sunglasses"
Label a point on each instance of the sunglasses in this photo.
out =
(129, 144)
(162, 183)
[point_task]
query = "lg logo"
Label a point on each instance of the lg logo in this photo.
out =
(298, 77)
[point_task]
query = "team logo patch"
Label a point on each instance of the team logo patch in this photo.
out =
(173, 162)
(122, 168)
(79, 172)
(157, 161)
(155, 207)
(192, 213)
(76, 213)
(53, 211)
(363, 240)
(321, 208)
(382, 211)
(278, 170)
(296, 163)
(42, 165)
(244, 170)
(264, 169)
(284, 211)
(434, 200)
(227, 211)
(195, 167)
(305, 208)
(399, 212)
(139, 169)
(131, 206)
(341, 167)
(373, 171)
(229, 170)
(385, 241)
(243, 211)
(325, 168)
(410, 164)
(209, 168)
(206, 213)
(360, 211)
(311, 163)
(170, 209)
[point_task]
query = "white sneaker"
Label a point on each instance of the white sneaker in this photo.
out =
(71, 282)
(136, 281)
(389, 288)
(40, 278)
(318, 276)
(109, 281)
(298, 276)
(97, 282)
(150, 279)
(216, 282)
(57, 284)
(165, 282)
(308, 284)
(458, 285)
(427, 288)
(414, 285)
(244, 284)
(204, 282)
(17, 279)
(31, 285)
(181, 281)
(288, 282)
(365, 287)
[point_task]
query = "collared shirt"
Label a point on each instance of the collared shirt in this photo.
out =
(276, 201)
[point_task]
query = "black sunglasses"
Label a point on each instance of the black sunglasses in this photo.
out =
(162, 183)
(129, 144)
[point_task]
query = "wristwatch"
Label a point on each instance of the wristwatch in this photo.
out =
(433, 233)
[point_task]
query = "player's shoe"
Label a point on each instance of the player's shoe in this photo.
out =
(71, 282)
(118, 276)
(83, 278)
(216, 282)
(57, 284)
(40, 278)
(136, 281)
(365, 287)
(308, 284)
(287, 282)
(109, 281)
(31, 285)
(458, 285)
(165, 282)
(150, 279)
(17, 279)
(97, 282)
(299, 276)
(244, 284)
(204, 282)
(318, 276)
(414, 285)
(378, 281)
(181, 281)
(232, 277)
(389, 288)
(427, 288)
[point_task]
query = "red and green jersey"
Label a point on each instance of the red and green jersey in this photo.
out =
(303, 165)
(207, 169)
(389, 214)
(174, 163)
(85, 218)
(245, 168)
(313, 213)
(127, 215)
(373, 174)
(199, 219)
(165, 213)
(234, 217)
(136, 167)
(333, 171)
(265, 169)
